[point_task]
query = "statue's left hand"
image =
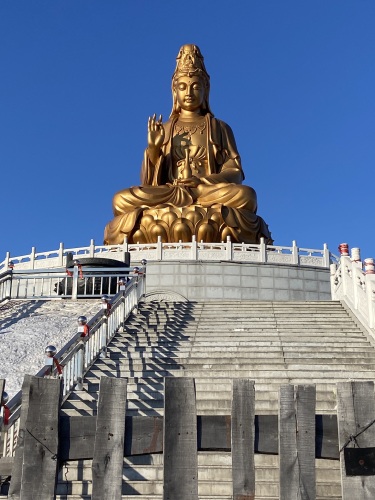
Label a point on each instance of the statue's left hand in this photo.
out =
(190, 182)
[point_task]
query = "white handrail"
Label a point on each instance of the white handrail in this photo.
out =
(190, 251)
(356, 288)
(55, 283)
(79, 354)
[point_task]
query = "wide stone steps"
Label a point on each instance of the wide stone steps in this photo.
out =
(271, 343)
(143, 475)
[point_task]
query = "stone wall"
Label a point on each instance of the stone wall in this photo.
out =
(236, 281)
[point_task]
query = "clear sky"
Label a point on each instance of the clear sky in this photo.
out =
(294, 79)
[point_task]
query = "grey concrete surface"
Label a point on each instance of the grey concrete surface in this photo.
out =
(238, 281)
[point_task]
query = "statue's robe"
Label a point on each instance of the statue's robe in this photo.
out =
(220, 186)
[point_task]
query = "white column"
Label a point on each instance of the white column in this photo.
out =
(61, 254)
(7, 259)
(326, 256)
(75, 282)
(370, 292)
(262, 250)
(32, 258)
(159, 251)
(194, 248)
(356, 257)
(92, 248)
(228, 249)
(125, 247)
(295, 256)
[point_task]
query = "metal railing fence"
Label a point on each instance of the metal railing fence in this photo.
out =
(56, 283)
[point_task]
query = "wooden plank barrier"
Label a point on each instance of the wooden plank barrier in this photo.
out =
(108, 458)
(15, 484)
(297, 442)
(145, 435)
(180, 440)
(297, 435)
(2, 387)
(355, 412)
(242, 434)
(40, 443)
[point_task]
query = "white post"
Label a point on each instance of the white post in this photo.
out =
(370, 292)
(295, 256)
(333, 269)
(32, 258)
(228, 248)
(159, 251)
(125, 247)
(326, 257)
(92, 248)
(194, 248)
(7, 259)
(262, 250)
(61, 254)
(356, 257)
(103, 340)
(81, 367)
(75, 282)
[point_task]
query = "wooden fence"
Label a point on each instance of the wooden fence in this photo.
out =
(297, 434)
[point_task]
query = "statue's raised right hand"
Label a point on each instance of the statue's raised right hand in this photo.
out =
(156, 133)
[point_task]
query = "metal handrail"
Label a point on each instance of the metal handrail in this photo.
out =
(79, 354)
(56, 283)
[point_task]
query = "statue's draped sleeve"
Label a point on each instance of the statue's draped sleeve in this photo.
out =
(224, 159)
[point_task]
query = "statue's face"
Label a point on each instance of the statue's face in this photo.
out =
(189, 92)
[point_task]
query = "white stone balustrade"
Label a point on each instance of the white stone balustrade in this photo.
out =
(191, 251)
(356, 288)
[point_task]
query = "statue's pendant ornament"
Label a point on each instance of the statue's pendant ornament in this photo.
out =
(191, 177)
(188, 130)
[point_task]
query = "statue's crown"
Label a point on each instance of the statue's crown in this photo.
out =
(190, 62)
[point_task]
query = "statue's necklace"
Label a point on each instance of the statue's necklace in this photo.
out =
(182, 128)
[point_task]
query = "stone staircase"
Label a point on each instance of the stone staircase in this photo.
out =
(272, 343)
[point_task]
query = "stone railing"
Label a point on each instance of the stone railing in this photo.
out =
(355, 287)
(79, 354)
(191, 251)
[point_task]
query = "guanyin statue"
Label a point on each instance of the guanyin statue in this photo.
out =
(191, 177)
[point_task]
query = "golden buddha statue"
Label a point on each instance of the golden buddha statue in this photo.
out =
(191, 174)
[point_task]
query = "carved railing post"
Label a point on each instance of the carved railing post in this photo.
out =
(159, 253)
(75, 280)
(295, 256)
(228, 249)
(326, 256)
(92, 248)
(7, 260)
(370, 292)
(194, 248)
(32, 258)
(263, 251)
(61, 254)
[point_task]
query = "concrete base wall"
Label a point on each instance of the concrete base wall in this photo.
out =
(237, 281)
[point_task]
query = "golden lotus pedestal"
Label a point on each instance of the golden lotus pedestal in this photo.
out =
(174, 224)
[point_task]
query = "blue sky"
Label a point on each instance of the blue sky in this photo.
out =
(294, 80)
